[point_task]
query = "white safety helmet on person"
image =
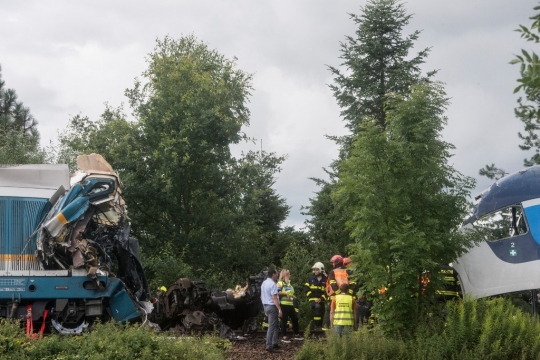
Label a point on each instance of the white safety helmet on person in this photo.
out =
(318, 265)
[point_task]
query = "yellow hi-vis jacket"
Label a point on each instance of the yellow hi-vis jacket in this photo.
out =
(344, 311)
(286, 288)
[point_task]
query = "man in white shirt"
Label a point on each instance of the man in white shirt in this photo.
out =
(272, 309)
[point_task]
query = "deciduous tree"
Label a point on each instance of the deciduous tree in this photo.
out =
(528, 109)
(185, 191)
(405, 201)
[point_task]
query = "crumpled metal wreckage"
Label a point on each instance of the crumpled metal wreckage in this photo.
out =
(88, 229)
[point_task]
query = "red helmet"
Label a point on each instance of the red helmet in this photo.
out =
(347, 261)
(336, 260)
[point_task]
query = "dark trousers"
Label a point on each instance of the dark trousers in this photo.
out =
(318, 312)
(289, 312)
(326, 322)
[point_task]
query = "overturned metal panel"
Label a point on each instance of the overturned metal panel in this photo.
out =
(33, 181)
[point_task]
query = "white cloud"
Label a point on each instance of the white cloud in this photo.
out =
(65, 58)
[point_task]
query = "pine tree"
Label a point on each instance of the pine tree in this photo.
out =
(375, 63)
(19, 137)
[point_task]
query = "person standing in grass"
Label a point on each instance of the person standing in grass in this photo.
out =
(343, 313)
(286, 300)
(315, 292)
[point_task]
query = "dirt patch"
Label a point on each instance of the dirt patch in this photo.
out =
(254, 349)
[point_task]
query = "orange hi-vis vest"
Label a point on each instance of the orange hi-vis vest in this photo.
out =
(340, 277)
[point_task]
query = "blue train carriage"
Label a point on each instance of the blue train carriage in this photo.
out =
(60, 245)
(508, 259)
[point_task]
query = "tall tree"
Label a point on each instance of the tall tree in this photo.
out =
(528, 109)
(376, 62)
(19, 137)
(405, 202)
(185, 191)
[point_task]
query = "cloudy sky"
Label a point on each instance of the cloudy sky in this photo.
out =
(70, 57)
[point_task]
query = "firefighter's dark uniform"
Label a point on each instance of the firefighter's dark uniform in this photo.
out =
(363, 307)
(451, 287)
(315, 289)
(353, 285)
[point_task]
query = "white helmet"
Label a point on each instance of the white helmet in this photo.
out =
(318, 265)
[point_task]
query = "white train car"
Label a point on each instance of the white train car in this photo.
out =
(508, 259)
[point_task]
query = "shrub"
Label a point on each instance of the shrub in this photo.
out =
(473, 329)
(114, 341)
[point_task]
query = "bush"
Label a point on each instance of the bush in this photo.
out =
(109, 341)
(362, 344)
(473, 329)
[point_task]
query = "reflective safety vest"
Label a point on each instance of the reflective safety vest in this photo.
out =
(287, 288)
(340, 277)
(343, 312)
(451, 287)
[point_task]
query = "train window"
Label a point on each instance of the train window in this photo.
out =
(503, 224)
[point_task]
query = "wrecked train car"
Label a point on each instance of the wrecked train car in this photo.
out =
(67, 258)
(508, 217)
(188, 306)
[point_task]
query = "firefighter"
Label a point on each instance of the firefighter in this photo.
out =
(451, 288)
(336, 277)
(315, 292)
(286, 300)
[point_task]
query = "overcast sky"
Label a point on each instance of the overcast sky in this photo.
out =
(70, 57)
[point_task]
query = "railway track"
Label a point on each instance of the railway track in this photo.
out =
(261, 334)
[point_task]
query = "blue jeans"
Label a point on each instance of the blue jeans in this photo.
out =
(273, 328)
(342, 329)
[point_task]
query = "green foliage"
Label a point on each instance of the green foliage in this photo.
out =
(528, 109)
(12, 338)
(363, 344)
(165, 268)
(326, 225)
(492, 172)
(109, 341)
(376, 62)
(473, 329)
(18, 148)
(488, 329)
(405, 203)
(19, 137)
